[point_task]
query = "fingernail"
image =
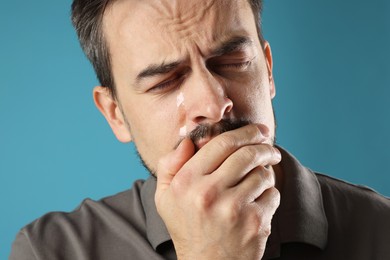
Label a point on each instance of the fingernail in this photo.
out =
(277, 152)
(264, 130)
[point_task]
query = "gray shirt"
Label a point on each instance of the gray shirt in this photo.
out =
(319, 218)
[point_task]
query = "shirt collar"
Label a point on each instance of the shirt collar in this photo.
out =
(156, 230)
(299, 218)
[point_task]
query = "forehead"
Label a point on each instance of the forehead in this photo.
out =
(143, 30)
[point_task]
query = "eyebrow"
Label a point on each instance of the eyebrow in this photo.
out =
(156, 69)
(231, 45)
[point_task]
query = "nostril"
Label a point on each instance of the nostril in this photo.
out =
(212, 112)
(200, 119)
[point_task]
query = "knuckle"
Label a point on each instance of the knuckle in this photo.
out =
(261, 215)
(256, 178)
(255, 219)
(268, 150)
(227, 141)
(275, 197)
(231, 213)
(205, 198)
(272, 201)
(248, 153)
(265, 230)
(260, 223)
(257, 225)
(268, 178)
(274, 154)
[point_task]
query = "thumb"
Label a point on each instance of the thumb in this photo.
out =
(170, 164)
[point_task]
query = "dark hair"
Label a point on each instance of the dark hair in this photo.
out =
(87, 18)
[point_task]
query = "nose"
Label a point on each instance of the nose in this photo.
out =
(206, 99)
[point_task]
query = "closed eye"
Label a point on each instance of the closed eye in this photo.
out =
(168, 84)
(239, 65)
(229, 67)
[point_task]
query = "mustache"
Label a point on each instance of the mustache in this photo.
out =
(211, 130)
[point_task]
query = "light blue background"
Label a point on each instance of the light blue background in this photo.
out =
(332, 74)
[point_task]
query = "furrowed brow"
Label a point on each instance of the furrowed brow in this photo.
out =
(231, 45)
(157, 69)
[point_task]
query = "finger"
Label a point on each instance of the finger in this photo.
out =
(170, 164)
(262, 210)
(214, 153)
(253, 185)
(268, 202)
(244, 160)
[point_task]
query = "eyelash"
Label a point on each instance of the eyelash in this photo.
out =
(236, 65)
(169, 83)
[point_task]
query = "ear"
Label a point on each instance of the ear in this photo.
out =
(268, 58)
(110, 109)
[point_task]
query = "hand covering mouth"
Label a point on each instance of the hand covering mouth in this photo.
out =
(203, 133)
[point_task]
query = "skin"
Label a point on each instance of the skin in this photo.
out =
(216, 196)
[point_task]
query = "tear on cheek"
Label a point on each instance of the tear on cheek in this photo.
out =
(183, 131)
(180, 99)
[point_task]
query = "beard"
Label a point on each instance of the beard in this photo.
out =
(205, 131)
(211, 130)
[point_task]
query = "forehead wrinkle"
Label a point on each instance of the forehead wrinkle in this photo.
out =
(188, 15)
(181, 17)
(181, 9)
(210, 15)
(153, 18)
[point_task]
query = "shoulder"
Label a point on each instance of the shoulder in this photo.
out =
(90, 212)
(350, 205)
(91, 224)
(358, 219)
(339, 191)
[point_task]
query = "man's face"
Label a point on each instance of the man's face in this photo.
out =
(179, 64)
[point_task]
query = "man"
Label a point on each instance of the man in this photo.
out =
(191, 84)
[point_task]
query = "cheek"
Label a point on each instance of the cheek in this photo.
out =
(251, 95)
(154, 128)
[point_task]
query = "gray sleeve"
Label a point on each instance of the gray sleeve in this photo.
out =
(21, 248)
